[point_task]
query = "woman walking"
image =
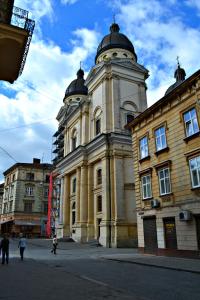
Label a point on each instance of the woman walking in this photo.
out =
(22, 245)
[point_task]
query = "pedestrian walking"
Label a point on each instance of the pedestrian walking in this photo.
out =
(5, 249)
(22, 245)
(55, 244)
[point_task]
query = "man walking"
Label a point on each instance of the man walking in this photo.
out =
(22, 245)
(55, 244)
(5, 249)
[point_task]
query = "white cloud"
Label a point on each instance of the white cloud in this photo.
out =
(38, 95)
(68, 1)
(193, 3)
(37, 8)
(159, 37)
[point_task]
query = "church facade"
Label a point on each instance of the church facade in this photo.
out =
(93, 150)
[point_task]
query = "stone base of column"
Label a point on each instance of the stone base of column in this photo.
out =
(62, 231)
(124, 235)
(105, 234)
(79, 233)
(90, 232)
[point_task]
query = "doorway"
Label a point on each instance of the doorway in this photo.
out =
(170, 233)
(150, 235)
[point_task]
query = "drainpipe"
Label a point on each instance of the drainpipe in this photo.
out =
(109, 178)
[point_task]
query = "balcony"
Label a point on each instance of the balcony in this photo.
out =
(15, 36)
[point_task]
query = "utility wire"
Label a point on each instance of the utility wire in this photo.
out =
(8, 154)
(26, 125)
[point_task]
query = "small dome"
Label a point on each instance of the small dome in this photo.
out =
(77, 86)
(115, 40)
(179, 74)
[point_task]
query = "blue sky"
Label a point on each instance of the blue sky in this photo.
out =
(69, 31)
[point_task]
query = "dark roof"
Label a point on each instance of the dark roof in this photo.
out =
(180, 88)
(179, 74)
(29, 165)
(77, 86)
(115, 39)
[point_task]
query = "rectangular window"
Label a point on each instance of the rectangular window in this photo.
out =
(45, 207)
(74, 185)
(29, 191)
(99, 203)
(28, 207)
(160, 136)
(30, 176)
(46, 192)
(47, 178)
(10, 206)
(98, 126)
(191, 123)
(144, 147)
(164, 181)
(146, 187)
(195, 171)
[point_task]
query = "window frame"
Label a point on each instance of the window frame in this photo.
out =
(30, 176)
(74, 185)
(99, 176)
(29, 191)
(164, 179)
(146, 148)
(160, 138)
(73, 212)
(97, 127)
(197, 169)
(28, 205)
(99, 203)
(187, 135)
(146, 186)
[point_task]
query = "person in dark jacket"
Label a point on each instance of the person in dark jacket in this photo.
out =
(5, 249)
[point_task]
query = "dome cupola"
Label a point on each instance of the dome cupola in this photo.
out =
(179, 74)
(114, 40)
(77, 86)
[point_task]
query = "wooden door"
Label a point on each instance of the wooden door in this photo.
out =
(170, 233)
(150, 235)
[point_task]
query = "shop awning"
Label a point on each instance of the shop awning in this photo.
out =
(28, 223)
(3, 222)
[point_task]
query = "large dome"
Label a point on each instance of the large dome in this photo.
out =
(115, 40)
(77, 86)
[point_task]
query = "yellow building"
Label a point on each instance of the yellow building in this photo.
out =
(15, 36)
(93, 149)
(166, 147)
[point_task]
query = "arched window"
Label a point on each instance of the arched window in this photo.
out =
(99, 176)
(99, 203)
(114, 54)
(74, 139)
(74, 185)
(73, 213)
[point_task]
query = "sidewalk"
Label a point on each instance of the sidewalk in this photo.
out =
(123, 255)
(165, 262)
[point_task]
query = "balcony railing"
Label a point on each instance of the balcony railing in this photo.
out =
(17, 17)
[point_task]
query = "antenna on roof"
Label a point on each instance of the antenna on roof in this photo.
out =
(80, 64)
(114, 18)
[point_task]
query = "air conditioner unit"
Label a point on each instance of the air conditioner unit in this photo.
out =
(185, 215)
(155, 203)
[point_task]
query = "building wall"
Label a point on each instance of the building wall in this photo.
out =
(180, 149)
(16, 183)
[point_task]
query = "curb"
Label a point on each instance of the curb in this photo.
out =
(153, 265)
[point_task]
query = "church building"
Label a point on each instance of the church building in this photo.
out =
(93, 150)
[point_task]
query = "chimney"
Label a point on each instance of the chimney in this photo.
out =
(36, 160)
